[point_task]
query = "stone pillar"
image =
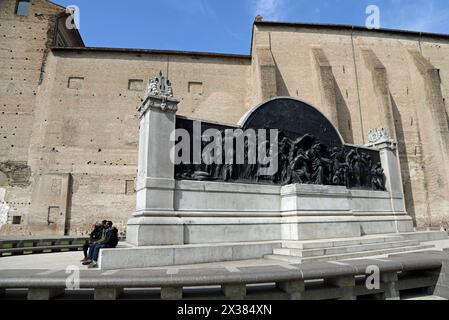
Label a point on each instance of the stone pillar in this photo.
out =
(44, 293)
(294, 288)
(390, 285)
(234, 291)
(346, 285)
(171, 293)
(107, 293)
(154, 222)
(380, 139)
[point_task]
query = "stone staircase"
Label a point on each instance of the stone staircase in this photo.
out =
(349, 248)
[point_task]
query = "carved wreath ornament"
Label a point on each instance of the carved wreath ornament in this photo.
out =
(378, 134)
(161, 87)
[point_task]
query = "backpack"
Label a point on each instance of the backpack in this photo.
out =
(114, 237)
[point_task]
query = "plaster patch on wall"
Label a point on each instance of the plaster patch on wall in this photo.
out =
(4, 208)
(130, 134)
(18, 173)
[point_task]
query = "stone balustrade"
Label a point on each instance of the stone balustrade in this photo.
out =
(345, 280)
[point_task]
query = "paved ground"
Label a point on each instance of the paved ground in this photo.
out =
(60, 261)
(56, 263)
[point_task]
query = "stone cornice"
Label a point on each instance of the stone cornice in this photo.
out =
(162, 103)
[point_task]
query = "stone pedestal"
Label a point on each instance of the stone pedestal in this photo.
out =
(392, 170)
(390, 164)
(155, 221)
(380, 139)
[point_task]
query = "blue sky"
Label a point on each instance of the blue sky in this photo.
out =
(225, 25)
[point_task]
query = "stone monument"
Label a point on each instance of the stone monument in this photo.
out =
(193, 212)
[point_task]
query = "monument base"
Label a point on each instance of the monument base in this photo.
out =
(214, 212)
(215, 221)
(160, 256)
(151, 231)
(144, 230)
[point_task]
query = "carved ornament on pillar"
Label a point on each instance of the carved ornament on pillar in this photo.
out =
(379, 135)
(380, 138)
(160, 86)
(159, 94)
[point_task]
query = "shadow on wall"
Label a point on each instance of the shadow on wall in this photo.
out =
(403, 158)
(281, 87)
(344, 116)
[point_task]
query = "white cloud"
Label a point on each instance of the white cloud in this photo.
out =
(273, 10)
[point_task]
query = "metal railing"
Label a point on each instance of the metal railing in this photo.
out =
(25, 245)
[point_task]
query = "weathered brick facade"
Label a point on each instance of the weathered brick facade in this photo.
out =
(68, 119)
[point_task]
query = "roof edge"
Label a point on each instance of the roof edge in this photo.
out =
(54, 3)
(154, 51)
(350, 27)
(64, 14)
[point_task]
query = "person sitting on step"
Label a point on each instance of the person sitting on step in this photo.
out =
(94, 237)
(110, 241)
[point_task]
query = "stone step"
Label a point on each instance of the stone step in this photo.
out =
(422, 297)
(331, 243)
(424, 236)
(345, 249)
(345, 256)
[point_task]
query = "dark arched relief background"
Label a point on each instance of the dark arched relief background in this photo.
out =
(296, 119)
(311, 151)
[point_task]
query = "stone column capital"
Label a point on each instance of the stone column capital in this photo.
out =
(388, 144)
(380, 138)
(158, 102)
(159, 96)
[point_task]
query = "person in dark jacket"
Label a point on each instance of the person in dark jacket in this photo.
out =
(110, 241)
(94, 237)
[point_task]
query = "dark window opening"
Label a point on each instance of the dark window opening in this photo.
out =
(23, 7)
(16, 220)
